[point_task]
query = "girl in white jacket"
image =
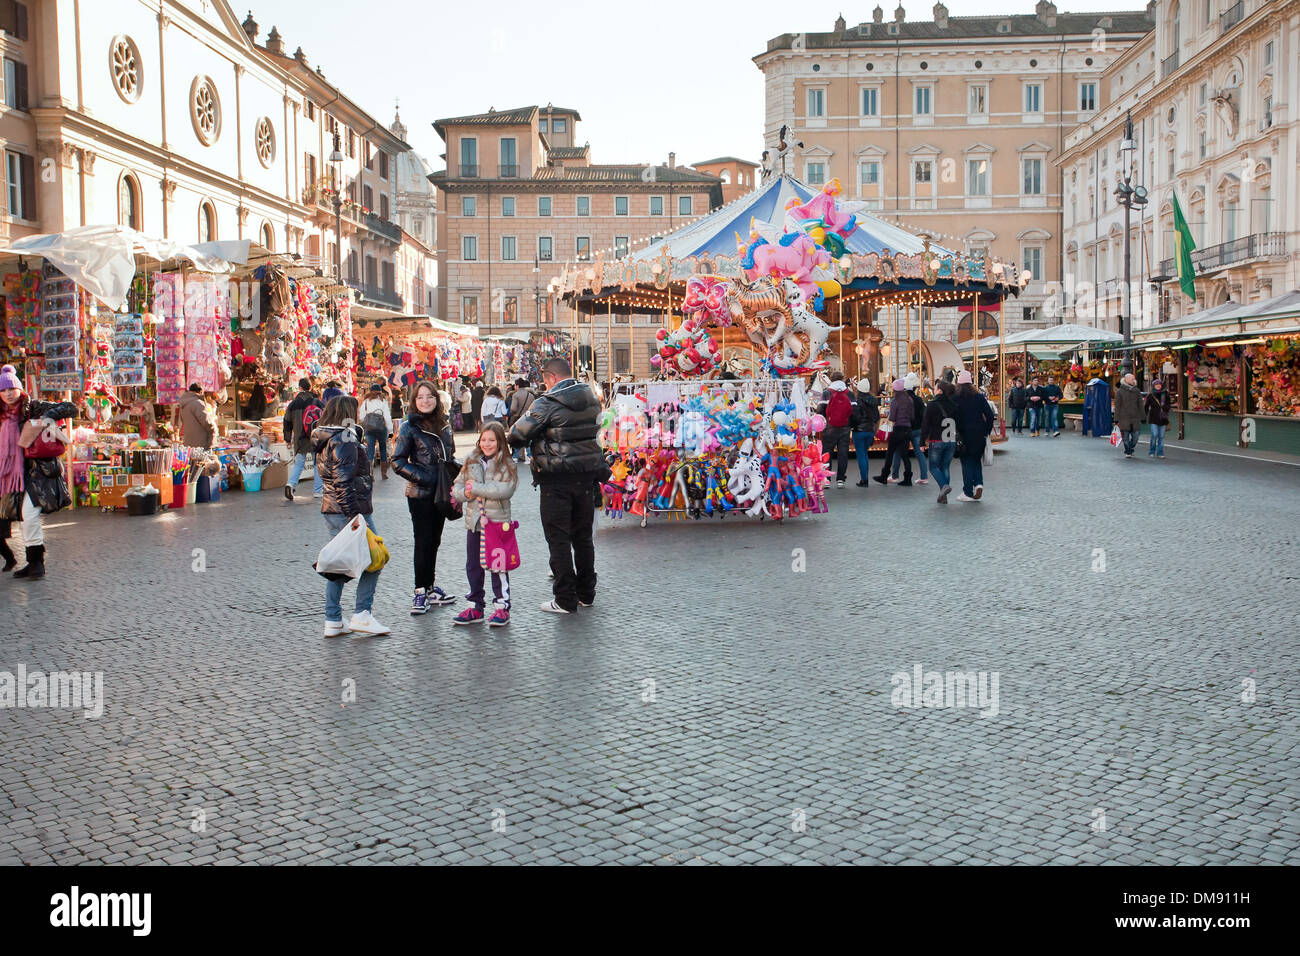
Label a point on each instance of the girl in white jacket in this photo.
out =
(485, 485)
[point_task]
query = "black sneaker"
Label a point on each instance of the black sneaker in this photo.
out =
(864, 483)
(437, 596)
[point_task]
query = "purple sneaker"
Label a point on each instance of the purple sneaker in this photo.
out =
(438, 597)
(471, 615)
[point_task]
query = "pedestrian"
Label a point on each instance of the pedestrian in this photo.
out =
(975, 420)
(494, 406)
(395, 409)
(939, 437)
(523, 397)
(195, 415)
(866, 420)
(485, 485)
(476, 395)
(465, 399)
(425, 443)
(568, 464)
(1157, 413)
(837, 408)
(913, 384)
(344, 468)
(300, 420)
(333, 388)
(1018, 402)
(1128, 412)
(901, 410)
(30, 487)
(377, 423)
(1034, 396)
(1052, 408)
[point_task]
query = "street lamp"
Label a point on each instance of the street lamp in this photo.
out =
(336, 159)
(537, 292)
(1128, 196)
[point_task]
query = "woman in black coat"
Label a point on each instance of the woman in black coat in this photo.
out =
(974, 425)
(424, 442)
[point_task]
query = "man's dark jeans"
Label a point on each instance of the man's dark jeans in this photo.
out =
(835, 442)
(568, 515)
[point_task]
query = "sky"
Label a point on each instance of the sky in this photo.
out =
(647, 76)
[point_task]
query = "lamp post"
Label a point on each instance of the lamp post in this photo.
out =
(1128, 196)
(537, 293)
(336, 160)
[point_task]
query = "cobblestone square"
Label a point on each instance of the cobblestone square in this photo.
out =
(717, 705)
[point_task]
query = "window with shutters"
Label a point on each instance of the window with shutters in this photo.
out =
(367, 197)
(383, 165)
(13, 19)
(20, 173)
(383, 207)
(15, 84)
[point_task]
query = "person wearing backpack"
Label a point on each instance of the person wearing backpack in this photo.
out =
(377, 423)
(837, 408)
(345, 473)
(913, 384)
(425, 442)
(300, 420)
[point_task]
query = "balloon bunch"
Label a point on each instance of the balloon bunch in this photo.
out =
(687, 350)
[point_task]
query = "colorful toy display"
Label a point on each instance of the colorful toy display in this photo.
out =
(710, 449)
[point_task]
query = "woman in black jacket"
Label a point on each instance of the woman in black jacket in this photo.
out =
(974, 424)
(424, 442)
(344, 469)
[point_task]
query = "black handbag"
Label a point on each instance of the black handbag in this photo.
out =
(443, 502)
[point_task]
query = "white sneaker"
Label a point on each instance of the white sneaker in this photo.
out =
(318, 494)
(923, 481)
(964, 497)
(552, 608)
(336, 629)
(893, 480)
(979, 490)
(365, 623)
(839, 484)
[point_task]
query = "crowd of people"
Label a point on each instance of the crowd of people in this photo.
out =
(925, 424)
(557, 429)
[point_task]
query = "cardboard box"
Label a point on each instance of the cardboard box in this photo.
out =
(276, 475)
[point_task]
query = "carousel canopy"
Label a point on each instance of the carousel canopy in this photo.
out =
(715, 234)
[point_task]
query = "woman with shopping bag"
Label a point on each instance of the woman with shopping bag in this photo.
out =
(347, 484)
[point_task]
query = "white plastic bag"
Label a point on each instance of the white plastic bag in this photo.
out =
(987, 457)
(348, 553)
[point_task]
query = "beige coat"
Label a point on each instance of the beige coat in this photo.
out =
(197, 427)
(491, 494)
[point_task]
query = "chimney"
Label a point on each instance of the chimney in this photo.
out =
(250, 28)
(900, 14)
(275, 42)
(941, 16)
(672, 160)
(878, 15)
(1046, 12)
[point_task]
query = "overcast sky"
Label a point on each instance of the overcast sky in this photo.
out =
(647, 76)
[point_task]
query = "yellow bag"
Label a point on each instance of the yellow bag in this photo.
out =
(378, 553)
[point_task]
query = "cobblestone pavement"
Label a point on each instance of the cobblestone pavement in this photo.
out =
(768, 733)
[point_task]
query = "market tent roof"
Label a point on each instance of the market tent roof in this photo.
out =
(1070, 333)
(715, 234)
(102, 259)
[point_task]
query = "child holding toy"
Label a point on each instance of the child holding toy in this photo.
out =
(485, 486)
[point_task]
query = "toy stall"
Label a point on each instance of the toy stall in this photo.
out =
(709, 449)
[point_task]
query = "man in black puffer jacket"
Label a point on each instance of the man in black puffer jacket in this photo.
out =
(560, 430)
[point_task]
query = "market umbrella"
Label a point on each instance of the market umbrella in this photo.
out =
(101, 259)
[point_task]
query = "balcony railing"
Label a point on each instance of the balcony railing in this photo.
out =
(469, 171)
(383, 227)
(1169, 64)
(378, 294)
(1232, 16)
(508, 171)
(1260, 245)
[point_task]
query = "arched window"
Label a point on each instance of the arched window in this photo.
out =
(207, 222)
(988, 326)
(725, 175)
(268, 236)
(128, 202)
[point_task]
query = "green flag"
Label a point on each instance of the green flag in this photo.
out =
(1183, 245)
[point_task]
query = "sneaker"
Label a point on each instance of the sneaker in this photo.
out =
(1056, 434)
(1160, 456)
(318, 494)
(419, 602)
(582, 603)
(1128, 454)
(877, 478)
(979, 491)
(892, 480)
(943, 494)
(336, 629)
(500, 618)
(288, 493)
(471, 615)
(923, 481)
(839, 484)
(550, 607)
(364, 623)
(964, 497)
(438, 597)
(863, 483)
